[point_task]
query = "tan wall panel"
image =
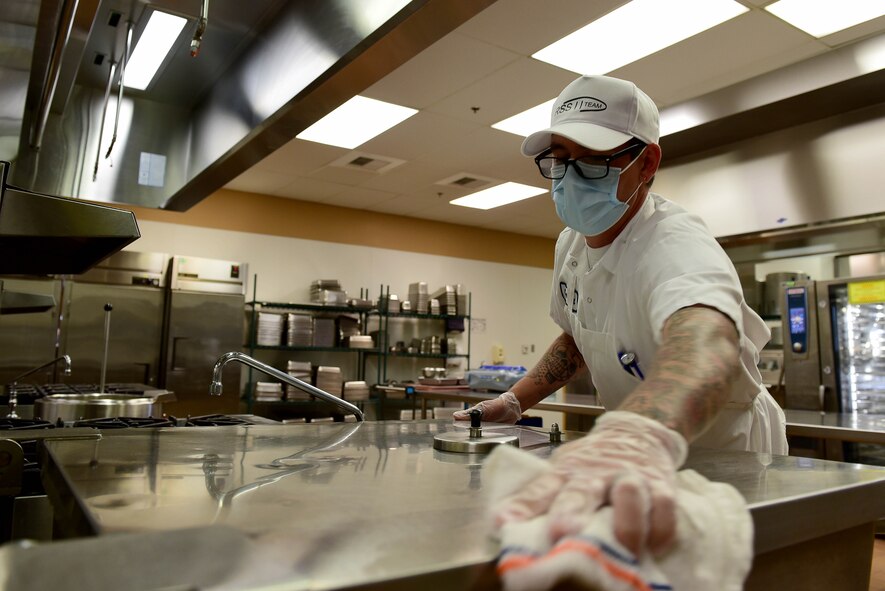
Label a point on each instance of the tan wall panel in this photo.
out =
(277, 216)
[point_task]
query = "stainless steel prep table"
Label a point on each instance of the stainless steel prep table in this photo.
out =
(372, 505)
(849, 427)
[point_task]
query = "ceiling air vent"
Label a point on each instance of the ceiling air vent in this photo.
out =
(367, 162)
(465, 180)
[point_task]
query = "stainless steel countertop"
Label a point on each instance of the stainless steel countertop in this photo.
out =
(854, 427)
(360, 504)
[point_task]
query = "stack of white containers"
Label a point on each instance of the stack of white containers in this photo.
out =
(268, 391)
(299, 332)
(357, 390)
(270, 329)
(301, 370)
(329, 379)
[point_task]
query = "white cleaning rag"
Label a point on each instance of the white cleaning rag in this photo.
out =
(713, 549)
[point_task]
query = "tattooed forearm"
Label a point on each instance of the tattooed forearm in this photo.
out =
(690, 379)
(560, 362)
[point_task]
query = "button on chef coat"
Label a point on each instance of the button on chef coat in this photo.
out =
(664, 260)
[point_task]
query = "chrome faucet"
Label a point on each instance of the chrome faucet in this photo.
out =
(13, 395)
(215, 387)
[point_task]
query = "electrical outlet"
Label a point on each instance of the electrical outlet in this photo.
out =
(497, 355)
(525, 349)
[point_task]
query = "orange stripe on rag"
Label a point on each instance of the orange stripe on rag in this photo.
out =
(515, 562)
(574, 545)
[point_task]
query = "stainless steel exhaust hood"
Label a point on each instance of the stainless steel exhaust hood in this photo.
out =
(266, 70)
(43, 235)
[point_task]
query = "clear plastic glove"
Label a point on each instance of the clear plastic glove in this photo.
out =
(627, 461)
(503, 409)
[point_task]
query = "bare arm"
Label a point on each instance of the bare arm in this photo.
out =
(560, 362)
(689, 382)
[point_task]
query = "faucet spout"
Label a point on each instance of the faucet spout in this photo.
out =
(215, 388)
(65, 358)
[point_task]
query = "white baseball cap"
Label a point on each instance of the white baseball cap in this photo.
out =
(600, 113)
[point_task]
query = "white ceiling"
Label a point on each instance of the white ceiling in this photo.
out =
(482, 73)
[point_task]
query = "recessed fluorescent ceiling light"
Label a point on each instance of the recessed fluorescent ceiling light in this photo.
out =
(528, 121)
(154, 44)
(634, 31)
(498, 195)
(819, 17)
(356, 122)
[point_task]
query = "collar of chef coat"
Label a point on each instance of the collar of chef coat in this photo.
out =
(631, 232)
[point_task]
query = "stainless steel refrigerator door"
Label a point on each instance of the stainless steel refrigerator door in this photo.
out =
(202, 327)
(29, 340)
(136, 323)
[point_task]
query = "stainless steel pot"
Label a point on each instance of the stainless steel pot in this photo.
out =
(72, 407)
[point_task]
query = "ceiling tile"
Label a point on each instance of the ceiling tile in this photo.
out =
(514, 88)
(360, 198)
(526, 26)
(300, 157)
(453, 62)
(259, 181)
(308, 189)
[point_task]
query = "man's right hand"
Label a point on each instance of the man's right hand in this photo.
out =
(503, 409)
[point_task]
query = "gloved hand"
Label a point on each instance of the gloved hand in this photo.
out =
(627, 461)
(503, 409)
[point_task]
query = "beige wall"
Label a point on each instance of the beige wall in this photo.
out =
(277, 216)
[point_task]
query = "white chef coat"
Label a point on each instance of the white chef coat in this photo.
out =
(665, 259)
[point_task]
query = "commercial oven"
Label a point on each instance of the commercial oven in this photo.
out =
(834, 345)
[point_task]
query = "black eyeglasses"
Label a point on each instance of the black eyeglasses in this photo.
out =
(588, 167)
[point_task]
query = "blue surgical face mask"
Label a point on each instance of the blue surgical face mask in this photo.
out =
(591, 206)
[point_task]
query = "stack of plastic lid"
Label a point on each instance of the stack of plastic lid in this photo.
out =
(448, 300)
(268, 391)
(299, 331)
(301, 370)
(360, 342)
(356, 391)
(329, 379)
(418, 298)
(324, 332)
(328, 291)
(270, 329)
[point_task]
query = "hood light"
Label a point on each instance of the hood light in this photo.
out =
(153, 46)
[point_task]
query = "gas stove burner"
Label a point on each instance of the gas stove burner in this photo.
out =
(125, 423)
(215, 421)
(8, 424)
